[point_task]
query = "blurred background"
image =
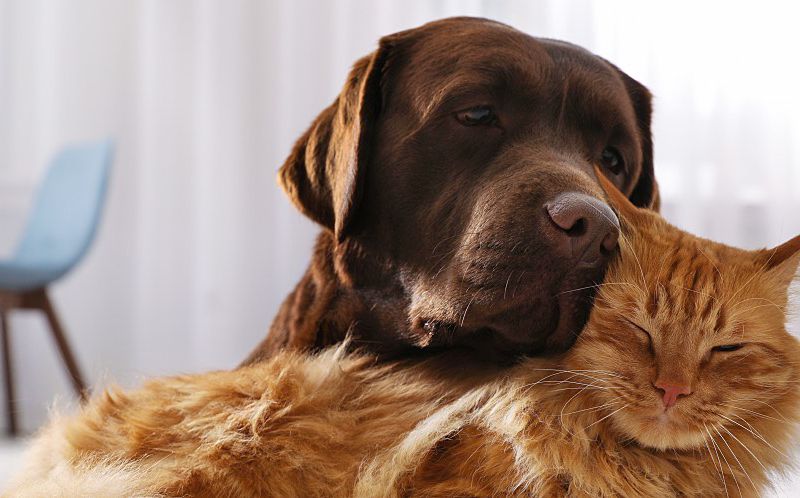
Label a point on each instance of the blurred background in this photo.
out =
(198, 247)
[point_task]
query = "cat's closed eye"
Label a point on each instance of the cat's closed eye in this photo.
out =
(642, 330)
(725, 348)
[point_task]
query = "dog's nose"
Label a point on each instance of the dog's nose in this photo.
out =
(588, 228)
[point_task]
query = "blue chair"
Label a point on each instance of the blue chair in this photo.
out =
(58, 235)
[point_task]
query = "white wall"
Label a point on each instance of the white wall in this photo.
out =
(198, 246)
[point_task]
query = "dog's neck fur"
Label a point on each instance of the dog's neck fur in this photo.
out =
(345, 290)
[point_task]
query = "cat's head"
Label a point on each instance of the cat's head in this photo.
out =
(689, 335)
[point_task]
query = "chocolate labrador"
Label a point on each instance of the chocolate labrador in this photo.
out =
(453, 180)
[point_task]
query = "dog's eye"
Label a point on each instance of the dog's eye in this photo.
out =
(728, 347)
(478, 115)
(612, 160)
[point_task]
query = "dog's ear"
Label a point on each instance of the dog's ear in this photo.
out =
(645, 192)
(324, 173)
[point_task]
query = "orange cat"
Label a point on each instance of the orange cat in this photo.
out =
(683, 383)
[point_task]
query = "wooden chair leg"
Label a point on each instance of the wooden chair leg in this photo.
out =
(63, 347)
(11, 409)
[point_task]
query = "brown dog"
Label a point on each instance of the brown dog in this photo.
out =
(453, 180)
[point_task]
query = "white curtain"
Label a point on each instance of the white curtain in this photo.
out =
(204, 98)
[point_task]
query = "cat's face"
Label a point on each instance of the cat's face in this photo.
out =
(690, 336)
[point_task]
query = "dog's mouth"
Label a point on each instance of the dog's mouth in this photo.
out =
(573, 305)
(570, 312)
(528, 321)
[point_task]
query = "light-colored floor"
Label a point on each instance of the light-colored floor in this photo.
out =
(11, 454)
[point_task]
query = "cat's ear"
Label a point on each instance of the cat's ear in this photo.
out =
(783, 260)
(621, 204)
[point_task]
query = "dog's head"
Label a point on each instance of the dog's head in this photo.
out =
(461, 155)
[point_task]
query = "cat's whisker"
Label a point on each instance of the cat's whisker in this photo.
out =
(782, 418)
(580, 381)
(747, 450)
(594, 408)
(754, 413)
(605, 372)
(557, 372)
(577, 383)
(733, 454)
(605, 383)
(582, 386)
(605, 417)
(564, 407)
(597, 286)
(543, 380)
(581, 389)
(769, 303)
(579, 376)
(720, 456)
(713, 460)
(752, 430)
(736, 313)
(746, 312)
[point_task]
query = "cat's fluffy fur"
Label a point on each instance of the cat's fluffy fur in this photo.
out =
(587, 424)
(335, 425)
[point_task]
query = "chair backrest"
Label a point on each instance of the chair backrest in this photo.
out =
(67, 207)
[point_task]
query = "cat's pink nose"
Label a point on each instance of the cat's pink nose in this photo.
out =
(672, 392)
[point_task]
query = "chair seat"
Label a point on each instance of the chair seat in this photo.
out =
(23, 276)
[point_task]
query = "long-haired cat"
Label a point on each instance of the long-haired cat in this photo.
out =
(683, 383)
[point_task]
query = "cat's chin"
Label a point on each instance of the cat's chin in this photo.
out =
(662, 431)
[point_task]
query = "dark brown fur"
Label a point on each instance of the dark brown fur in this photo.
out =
(434, 233)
